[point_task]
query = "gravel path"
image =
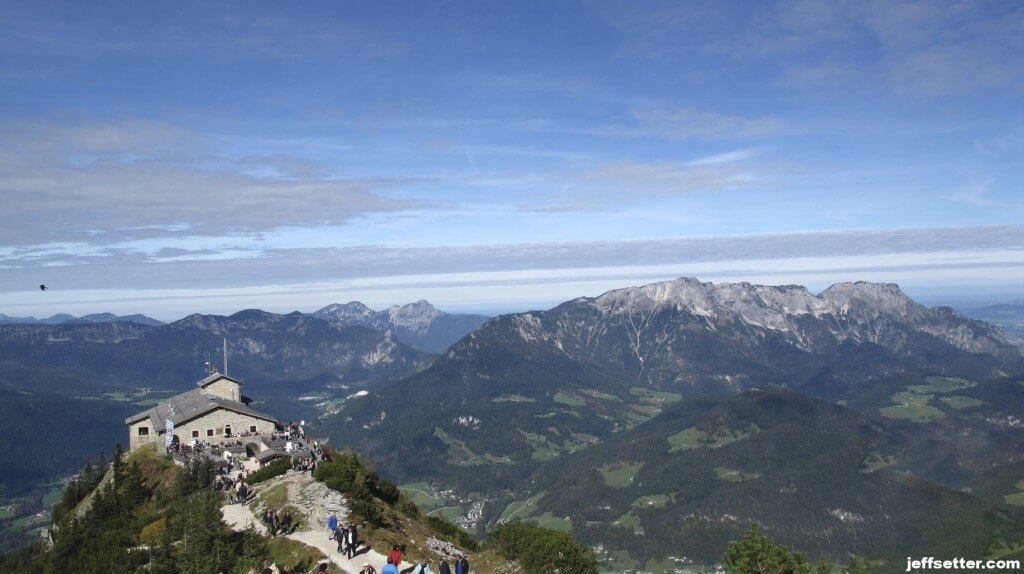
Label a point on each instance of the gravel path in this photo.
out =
(315, 502)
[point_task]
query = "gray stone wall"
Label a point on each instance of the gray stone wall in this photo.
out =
(216, 421)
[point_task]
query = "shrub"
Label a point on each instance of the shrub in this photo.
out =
(451, 531)
(349, 475)
(153, 532)
(276, 468)
(542, 549)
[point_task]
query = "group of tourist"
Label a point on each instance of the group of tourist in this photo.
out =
(348, 544)
(302, 464)
(279, 522)
(291, 431)
(238, 491)
(394, 560)
(346, 534)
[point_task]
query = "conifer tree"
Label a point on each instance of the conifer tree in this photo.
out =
(757, 554)
(101, 463)
(203, 535)
(133, 492)
(161, 557)
(118, 464)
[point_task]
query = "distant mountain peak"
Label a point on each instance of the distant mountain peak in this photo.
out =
(415, 316)
(762, 305)
(418, 324)
(61, 318)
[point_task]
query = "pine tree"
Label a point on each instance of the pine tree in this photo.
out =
(203, 536)
(101, 463)
(118, 464)
(161, 557)
(87, 477)
(757, 554)
(133, 492)
(857, 565)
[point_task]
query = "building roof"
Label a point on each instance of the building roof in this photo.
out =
(216, 377)
(271, 454)
(182, 408)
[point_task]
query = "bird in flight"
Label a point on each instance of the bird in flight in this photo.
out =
(42, 287)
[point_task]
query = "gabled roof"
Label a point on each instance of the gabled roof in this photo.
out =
(216, 377)
(182, 408)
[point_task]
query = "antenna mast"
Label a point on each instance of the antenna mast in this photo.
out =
(225, 355)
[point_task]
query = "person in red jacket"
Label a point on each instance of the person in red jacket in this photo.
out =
(395, 555)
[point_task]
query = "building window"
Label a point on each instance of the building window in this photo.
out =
(227, 430)
(209, 432)
(195, 434)
(252, 428)
(143, 431)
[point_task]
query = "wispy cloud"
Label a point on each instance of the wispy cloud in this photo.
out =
(689, 123)
(202, 268)
(105, 183)
(611, 184)
(511, 277)
(907, 46)
(726, 157)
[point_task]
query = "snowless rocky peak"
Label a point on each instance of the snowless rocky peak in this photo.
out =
(414, 316)
(883, 297)
(757, 303)
(352, 312)
(849, 311)
(708, 299)
(418, 324)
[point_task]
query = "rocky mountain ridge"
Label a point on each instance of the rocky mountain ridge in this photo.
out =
(592, 367)
(654, 409)
(685, 332)
(265, 349)
(418, 324)
(92, 318)
(859, 312)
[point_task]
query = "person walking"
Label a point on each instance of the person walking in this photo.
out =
(276, 522)
(443, 568)
(462, 566)
(421, 568)
(332, 525)
(352, 542)
(343, 538)
(389, 568)
(367, 569)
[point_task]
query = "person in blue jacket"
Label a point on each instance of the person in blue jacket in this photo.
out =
(332, 525)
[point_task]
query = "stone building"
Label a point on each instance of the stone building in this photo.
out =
(215, 412)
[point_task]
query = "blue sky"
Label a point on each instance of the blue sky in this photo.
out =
(167, 158)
